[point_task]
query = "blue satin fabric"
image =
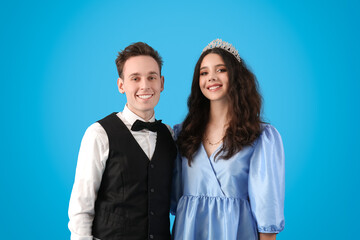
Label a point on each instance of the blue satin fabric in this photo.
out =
(231, 199)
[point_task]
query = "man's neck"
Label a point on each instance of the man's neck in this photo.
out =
(145, 115)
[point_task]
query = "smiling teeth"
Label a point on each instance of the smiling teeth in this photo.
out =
(144, 96)
(212, 88)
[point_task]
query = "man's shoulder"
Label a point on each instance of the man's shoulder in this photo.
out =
(95, 130)
(109, 117)
(94, 134)
(170, 130)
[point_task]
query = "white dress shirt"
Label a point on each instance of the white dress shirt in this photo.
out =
(93, 154)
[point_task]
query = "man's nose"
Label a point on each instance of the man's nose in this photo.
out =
(144, 84)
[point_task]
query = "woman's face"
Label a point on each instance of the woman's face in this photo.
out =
(214, 80)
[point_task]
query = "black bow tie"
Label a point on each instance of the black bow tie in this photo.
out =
(140, 125)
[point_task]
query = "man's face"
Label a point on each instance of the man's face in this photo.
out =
(142, 85)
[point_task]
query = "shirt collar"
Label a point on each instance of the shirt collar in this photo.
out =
(131, 117)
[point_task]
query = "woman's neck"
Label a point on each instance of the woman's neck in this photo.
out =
(218, 113)
(216, 127)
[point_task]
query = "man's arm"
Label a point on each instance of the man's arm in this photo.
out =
(92, 158)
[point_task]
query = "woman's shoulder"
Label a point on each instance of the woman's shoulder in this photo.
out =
(268, 128)
(268, 149)
(177, 129)
(269, 134)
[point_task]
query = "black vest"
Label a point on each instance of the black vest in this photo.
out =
(134, 196)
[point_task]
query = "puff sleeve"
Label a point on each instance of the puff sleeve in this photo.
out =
(176, 188)
(267, 181)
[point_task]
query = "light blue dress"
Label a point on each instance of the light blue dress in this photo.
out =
(231, 199)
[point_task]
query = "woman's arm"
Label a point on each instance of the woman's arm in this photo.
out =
(267, 183)
(267, 236)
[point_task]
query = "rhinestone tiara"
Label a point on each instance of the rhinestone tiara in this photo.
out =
(218, 43)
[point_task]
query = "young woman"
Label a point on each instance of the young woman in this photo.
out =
(229, 180)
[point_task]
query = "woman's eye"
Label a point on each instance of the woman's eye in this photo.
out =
(222, 70)
(203, 73)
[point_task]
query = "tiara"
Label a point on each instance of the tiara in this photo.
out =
(218, 43)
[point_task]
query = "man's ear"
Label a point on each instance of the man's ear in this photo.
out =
(162, 79)
(120, 83)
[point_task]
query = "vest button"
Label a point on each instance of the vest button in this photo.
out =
(152, 165)
(151, 236)
(152, 213)
(152, 190)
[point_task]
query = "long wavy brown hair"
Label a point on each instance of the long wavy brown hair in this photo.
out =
(244, 110)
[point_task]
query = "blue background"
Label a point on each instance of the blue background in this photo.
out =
(58, 76)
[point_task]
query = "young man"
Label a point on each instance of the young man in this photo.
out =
(124, 170)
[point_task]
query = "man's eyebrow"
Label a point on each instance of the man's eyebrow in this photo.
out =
(134, 74)
(153, 73)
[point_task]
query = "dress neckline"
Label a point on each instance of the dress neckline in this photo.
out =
(211, 157)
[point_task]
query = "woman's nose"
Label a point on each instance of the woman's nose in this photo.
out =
(212, 77)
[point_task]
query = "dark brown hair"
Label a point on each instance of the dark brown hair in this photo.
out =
(244, 110)
(136, 49)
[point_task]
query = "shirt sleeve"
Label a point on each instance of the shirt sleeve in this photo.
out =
(92, 158)
(267, 181)
(176, 189)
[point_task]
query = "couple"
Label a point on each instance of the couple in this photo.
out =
(224, 178)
